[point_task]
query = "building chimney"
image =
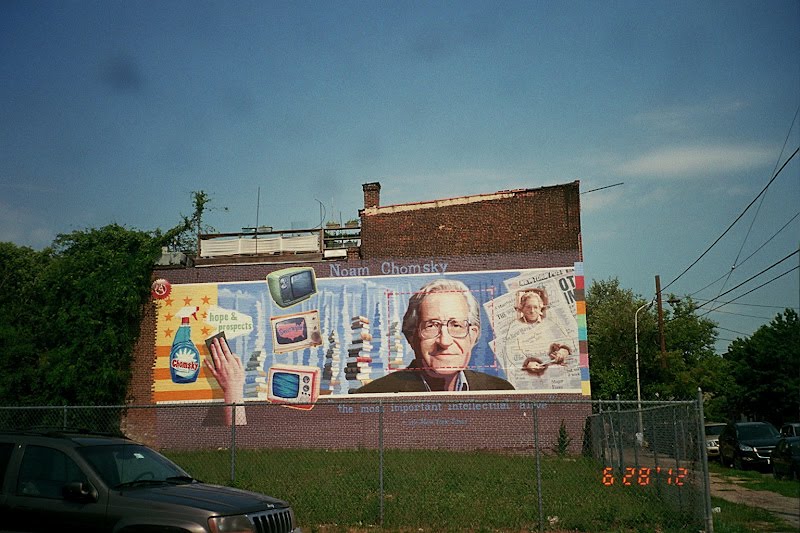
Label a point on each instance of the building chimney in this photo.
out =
(372, 194)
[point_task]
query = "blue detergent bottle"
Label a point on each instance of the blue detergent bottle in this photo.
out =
(184, 359)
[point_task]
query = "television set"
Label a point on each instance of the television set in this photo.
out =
(295, 386)
(290, 286)
(295, 331)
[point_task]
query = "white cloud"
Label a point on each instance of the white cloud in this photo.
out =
(600, 200)
(695, 161)
(684, 117)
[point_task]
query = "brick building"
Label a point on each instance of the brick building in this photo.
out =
(515, 230)
(544, 221)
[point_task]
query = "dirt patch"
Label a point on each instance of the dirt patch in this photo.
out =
(782, 506)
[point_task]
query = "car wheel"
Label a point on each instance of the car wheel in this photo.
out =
(727, 462)
(777, 474)
(737, 462)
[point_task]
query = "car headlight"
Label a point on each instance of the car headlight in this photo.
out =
(230, 524)
(745, 448)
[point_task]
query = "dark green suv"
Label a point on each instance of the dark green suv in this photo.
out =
(70, 481)
(746, 444)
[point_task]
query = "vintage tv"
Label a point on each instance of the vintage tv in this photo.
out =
(293, 385)
(295, 331)
(292, 285)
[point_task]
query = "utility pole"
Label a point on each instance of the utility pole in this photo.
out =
(661, 323)
(640, 435)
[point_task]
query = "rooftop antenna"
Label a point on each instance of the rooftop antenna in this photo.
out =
(258, 206)
(321, 213)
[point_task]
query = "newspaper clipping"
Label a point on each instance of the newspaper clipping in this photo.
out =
(536, 331)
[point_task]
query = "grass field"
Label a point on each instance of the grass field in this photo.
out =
(340, 491)
(755, 480)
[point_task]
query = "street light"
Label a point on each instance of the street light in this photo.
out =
(640, 435)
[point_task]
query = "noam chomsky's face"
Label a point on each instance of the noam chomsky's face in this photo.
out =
(444, 355)
(532, 308)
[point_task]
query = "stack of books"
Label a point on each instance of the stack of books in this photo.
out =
(357, 371)
(255, 378)
(330, 368)
(395, 346)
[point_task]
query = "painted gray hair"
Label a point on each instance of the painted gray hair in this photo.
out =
(411, 318)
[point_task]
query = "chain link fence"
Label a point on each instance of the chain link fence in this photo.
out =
(444, 465)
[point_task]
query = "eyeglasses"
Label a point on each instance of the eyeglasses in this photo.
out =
(430, 329)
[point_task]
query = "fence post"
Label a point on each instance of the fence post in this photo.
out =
(380, 459)
(701, 442)
(655, 443)
(65, 417)
(638, 440)
(621, 429)
(538, 464)
(233, 443)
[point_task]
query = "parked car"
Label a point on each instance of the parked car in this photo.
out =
(791, 429)
(746, 444)
(786, 458)
(75, 481)
(713, 429)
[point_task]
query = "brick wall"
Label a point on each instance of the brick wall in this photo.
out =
(496, 423)
(534, 228)
(544, 220)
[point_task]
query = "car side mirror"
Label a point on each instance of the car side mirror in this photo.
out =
(80, 492)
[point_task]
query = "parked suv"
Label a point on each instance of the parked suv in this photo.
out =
(791, 429)
(72, 481)
(786, 458)
(745, 444)
(713, 429)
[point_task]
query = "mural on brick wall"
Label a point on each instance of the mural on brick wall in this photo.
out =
(294, 338)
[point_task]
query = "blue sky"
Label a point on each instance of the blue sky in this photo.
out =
(116, 111)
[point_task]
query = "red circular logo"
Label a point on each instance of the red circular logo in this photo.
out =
(160, 289)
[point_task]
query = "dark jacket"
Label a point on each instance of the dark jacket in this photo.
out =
(410, 380)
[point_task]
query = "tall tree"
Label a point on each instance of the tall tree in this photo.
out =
(765, 368)
(690, 353)
(91, 305)
(70, 315)
(612, 319)
(20, 269)
(610, 323)
(186, 238)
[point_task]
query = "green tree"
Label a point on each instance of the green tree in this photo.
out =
(690, 353)
(564, 440)
(611, 320)
(70, 315)
(764, 368)
(185, 240)
(20, 268)
(90, 310)
(610, 313)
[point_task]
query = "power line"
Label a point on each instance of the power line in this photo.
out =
(758, 209)
(606, 187)
(741, 314)
(749, 305)
(749, 256)
(773, 265)
(733, 331)
(752, 290)
(735, 221)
